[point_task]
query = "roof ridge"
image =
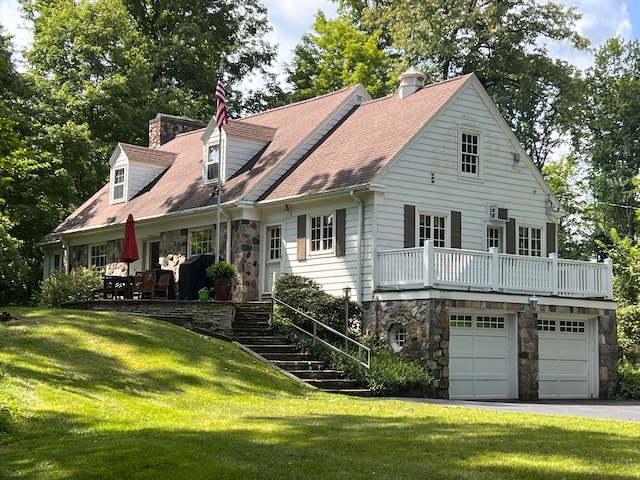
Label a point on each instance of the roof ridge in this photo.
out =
(301, 102)
(430, 85)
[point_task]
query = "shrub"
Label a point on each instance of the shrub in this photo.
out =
(629, 332)
(76, 286)
(629, 380)
(390, 373)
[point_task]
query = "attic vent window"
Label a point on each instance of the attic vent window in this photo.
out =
(118, 184)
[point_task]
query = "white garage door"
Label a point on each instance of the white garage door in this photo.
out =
(565, 363)
(481, 363)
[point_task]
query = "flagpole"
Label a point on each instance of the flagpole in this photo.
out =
(219, 183)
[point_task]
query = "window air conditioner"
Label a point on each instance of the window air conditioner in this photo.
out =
(496, 213)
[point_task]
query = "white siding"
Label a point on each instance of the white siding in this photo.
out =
(238, 152)
(333, 273)
(427, 175)
(140, 175)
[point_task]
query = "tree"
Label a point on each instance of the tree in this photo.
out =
(574, 228)
(609, 142)
(336, 55)
(501, 41)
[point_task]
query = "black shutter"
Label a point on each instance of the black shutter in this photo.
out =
(341, 233)
(511, 236)
(409, 226)
(302, 237)
(456, 229)
(551, 238)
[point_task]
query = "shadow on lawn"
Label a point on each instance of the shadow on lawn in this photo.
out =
(311, 446)
(84, 362)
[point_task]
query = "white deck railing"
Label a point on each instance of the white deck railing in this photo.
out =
(472, 270)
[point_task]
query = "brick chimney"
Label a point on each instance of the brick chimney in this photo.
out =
(410, 82)
(165, 127)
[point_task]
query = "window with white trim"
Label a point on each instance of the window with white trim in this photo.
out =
(200, 241)
(98, 256)
(494, 237)
(118, 184)
(397, 337)
(572, 326)
(432, 227)
(546, 325)
(212, 168)
(490, 322)
(530, 241)
(275, 243)
(322, 233)
(470, 154)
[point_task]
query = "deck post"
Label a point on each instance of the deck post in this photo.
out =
(429, 261)
(608, 282)
(554, 273)
(494, 274)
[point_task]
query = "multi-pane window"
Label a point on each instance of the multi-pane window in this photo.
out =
(322, 233)
(200, 241)
(470, 161)
(213, 163)
(275, 243)
(98, 256)
(118, 184)
(493, 237)
(432, 227)
(530, 241)
(463, 321)
(489, 322)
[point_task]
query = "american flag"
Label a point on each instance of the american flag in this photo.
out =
(221, 111)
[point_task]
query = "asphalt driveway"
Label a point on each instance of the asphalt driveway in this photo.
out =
(610, 409)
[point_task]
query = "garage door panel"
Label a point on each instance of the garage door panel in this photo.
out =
(481, 363)
(491, 344)
(564, 365)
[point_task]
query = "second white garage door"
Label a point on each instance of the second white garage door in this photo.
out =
(566, 358)
(481, 360)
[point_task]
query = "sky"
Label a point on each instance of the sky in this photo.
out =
(602, 19)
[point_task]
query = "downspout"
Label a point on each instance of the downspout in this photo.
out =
(360, 230)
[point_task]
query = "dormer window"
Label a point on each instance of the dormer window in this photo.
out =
(213, 163)
(118, 185)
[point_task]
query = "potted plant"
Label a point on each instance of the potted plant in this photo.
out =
(222, 274)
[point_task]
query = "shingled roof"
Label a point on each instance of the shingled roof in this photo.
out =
(180, 188)
(352, 155)
(365, 142)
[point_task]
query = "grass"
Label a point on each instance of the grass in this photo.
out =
(102, 396)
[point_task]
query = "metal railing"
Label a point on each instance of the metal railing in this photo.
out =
(364, 353)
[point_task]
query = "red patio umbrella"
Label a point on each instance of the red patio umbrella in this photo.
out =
(130, 246)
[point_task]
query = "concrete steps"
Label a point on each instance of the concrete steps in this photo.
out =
(251, 329)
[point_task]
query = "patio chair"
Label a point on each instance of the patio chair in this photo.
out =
(144, 285)
(161, 288)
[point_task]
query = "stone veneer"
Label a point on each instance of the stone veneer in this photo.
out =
(208, 315)
(427, 325)
(164, 128)
(245, 252)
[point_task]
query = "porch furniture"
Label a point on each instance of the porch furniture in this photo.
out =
(162, 285)
(144, 285)
(114, 287)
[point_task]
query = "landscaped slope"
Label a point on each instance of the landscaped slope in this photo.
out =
(95, 395)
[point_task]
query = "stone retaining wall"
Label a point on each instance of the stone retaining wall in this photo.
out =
(218, 315)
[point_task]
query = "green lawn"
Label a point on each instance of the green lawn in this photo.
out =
(102, 396)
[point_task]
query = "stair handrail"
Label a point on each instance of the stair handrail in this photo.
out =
(363, 350)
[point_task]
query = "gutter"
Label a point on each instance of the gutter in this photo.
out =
(359, 254)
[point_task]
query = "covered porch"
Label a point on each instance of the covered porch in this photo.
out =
(450, 268)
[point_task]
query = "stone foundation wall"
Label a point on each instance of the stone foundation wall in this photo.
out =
(427, 325)
(218, 315)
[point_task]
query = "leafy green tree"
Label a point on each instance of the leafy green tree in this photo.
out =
(501, 41)
(625, 255)
(574, 230)
(610, 140)
(336, 55)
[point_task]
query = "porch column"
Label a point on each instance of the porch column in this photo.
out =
(554, 273)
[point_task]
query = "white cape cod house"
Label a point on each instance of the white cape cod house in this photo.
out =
(423, 203)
